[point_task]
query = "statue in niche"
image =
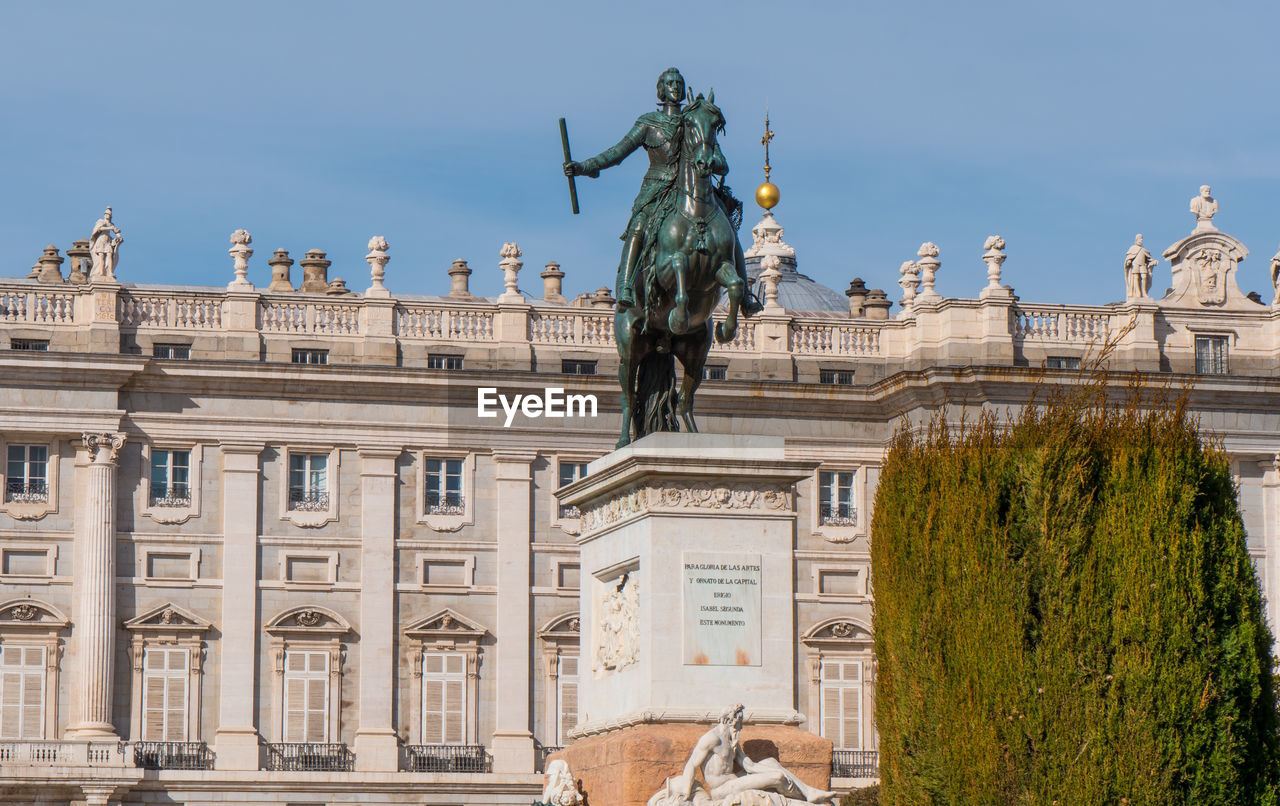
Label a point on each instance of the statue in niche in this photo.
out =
(733, 779)
(1138, 264)
(1204, 207)
(619, 642)
(1211, 274)
(104, 247)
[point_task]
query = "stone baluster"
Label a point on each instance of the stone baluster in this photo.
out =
(50, 264)
(315, 272)
(377, 259)
(459, 277)
(929, 264)
(510, 265)
(857, 295)
(909, 281)
(770, 276)
(280, 264)
(241, 252)
(95, 584)
(552, 283)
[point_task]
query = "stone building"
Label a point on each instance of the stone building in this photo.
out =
(260, 545)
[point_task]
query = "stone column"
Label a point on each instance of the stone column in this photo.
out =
(1271, 537)
(377, 746)
(236, 739)
(95, 584)
(512, 738)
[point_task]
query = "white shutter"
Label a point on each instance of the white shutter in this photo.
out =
(164, 695)
(306, 697)
(567, 696)
(840, 703)
(444, 698)
(22, 692)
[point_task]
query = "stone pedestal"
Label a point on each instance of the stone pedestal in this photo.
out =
(687, 606)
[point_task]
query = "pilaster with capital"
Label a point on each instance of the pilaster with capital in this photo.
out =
(1271, 536)
(95, 588)
(512, 735)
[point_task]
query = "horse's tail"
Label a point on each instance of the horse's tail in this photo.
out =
(656, 394)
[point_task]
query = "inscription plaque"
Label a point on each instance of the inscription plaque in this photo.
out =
(721, 609)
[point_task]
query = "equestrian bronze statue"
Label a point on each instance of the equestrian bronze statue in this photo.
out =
(680, 251)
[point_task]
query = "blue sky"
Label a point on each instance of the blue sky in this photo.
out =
(1065, 128)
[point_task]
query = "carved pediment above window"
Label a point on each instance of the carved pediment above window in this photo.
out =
(564, 628)
(838, 630)
(1204, 267)
(31, 613)
(167, 617)
(310, 620)
(446, 624)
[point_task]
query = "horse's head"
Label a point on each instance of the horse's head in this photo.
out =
(703, 122)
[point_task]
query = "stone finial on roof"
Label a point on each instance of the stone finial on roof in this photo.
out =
(459, 274)
(994, 257)
(511, 265)
(767, 239)
(929, 265)
(377, 260)
(50, 264)
(770, 277)
(552, 283)
(602, 298)
(315, 272)
(280, 264)
(240, 252)
(79, 255)
(909, 281)
(857, 295)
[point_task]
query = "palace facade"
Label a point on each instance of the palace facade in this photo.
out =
(258, 545)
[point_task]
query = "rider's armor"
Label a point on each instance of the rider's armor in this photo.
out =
(659, 133)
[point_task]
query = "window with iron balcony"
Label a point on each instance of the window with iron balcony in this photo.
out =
(308, 482)
(835, 499)
(444, 487)
(27, 474)
(569, 473)
(170, 478)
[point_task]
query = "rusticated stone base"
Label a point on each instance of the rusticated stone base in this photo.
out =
(625, 767)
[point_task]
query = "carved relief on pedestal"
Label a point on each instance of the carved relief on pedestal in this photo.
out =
(670, 495)
(617, 642)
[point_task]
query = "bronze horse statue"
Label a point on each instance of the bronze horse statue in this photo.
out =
(692, 260)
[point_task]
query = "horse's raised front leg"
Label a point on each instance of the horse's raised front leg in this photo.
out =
(728, 277)
(678, 319)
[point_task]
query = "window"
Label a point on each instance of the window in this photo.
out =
(444, 361)
(181, 352)
(444, 487)
(566, 697)
(835, 499)
(33, 345)
(306, 697)
(718, 373)
(569, 473)
(569, 367)
(310, 356)
(836, 377)
(170, 478)
(444, 702)
(26, 480)
(1062, 362)
(309, 482)
(1211, 355)
(164, 695)
(841, 703)
(22, 687)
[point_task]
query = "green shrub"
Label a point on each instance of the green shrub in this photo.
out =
(1066, 613)
(865, 796)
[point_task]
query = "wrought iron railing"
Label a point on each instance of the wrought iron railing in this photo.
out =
(303, 500)
(178, 496)
(855, 764)
(172, 756)
(20, 491)
(310, 757)
(842, 515)
(544, 753)
(570, 511)
(447, 504)
(448, 758)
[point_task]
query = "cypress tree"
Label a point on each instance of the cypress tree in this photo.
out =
(1066, 613)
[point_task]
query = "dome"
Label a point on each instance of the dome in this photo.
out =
(796, 291)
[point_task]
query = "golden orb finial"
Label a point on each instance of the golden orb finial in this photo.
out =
(767, 194)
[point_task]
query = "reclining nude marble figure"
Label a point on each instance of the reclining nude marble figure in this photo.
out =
(731, 778)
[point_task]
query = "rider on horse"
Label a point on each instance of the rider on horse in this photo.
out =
(659, 133)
